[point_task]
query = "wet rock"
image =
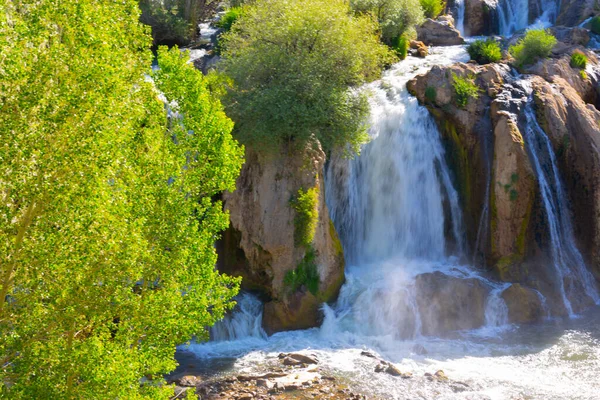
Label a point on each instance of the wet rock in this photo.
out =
(189, 381)
(297, 358)
(421, 49)
(438, 33)
(440, 375)
(479, 17)
(265, 383)
(419, 349)
(574, 12)
(447, 303)
(368, 354)
(524, 304)
(393, 370)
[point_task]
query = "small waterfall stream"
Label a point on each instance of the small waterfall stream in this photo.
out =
(567, 260)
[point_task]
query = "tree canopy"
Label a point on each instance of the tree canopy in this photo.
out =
(396, 17)
(107, 217)
(292, 64)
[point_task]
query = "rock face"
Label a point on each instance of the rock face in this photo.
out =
(448, 303)
(260, 244)
(574, 12)
(439, 33)
(479, 17)
(484, 141)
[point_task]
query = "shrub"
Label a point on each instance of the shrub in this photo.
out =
(229, 18)
(306, 273)
(432, 8)
(583, 75)
(578, 60)
(595, 25)
(430, 94)
(292, 64)
(485, 51)
(464, 89)
(536, 44)
(307, 215)
(401, 46)
(395, 17)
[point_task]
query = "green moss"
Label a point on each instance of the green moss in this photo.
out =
(430, 94)
(332, 290)
(513, 195)
(460, 159)
(514, 178)
(464, 89)
(583, 75)
(305, 274)
(595, 25)
(307, 215)
(337, 244)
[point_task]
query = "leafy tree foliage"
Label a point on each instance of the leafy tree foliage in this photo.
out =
(106, 219)
(432, 8)
(174, 22)
(292, 63)
(395, 16)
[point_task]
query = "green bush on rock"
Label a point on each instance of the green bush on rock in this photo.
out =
(464, 89)
(485, 51)
(578, 60)
(307, 215)
(536, 44)
(292, 64)
(306, 273)
(401, 45)
(595, 25)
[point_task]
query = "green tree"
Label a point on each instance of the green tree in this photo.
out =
(536, 44)
(175, 22)
(292, 64)
(106, 219)
(395, 16)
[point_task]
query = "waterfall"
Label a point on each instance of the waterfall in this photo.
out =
(567, 261)
(496, 311)
(514, 15)
(460, 16)
(244, 321)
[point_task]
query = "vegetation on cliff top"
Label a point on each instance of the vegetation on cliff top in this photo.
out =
(292, 64)
(107, 221)
(464, 89)
(485, 51)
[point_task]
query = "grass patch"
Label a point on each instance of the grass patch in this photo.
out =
(305, 274)
(464, 89)
(536, 44)
(578, 60)
(485, 51)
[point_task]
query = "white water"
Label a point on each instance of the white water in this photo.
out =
(567, 260)
(388, 205)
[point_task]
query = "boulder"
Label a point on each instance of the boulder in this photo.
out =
(479, 17)
(524, 304)
(421, 49)
(447, 303)
(260, 246)
(439, 33)
(189, 381)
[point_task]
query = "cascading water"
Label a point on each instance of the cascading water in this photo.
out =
(514, 15)
(244, 321)
(460, 16)
(567, 260)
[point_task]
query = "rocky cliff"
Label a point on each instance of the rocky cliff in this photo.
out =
(492, 165)
(262, 244)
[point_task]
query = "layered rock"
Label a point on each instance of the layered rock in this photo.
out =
(479, 17)
(574, 12)
(439, 32)
(260, 245)
(524, 304)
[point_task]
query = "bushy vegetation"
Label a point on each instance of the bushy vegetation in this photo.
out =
(485, 51)
(595, 24)
(107, 222)
(174, 22)
(464, 89)
(578, 60)
(229, 18)
(305, 274)
(536, 44)
(292, 64)
(432, 8)
(401, 45)
(307, 215)
(396, 17)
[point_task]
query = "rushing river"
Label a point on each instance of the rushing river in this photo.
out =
(394, 206)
